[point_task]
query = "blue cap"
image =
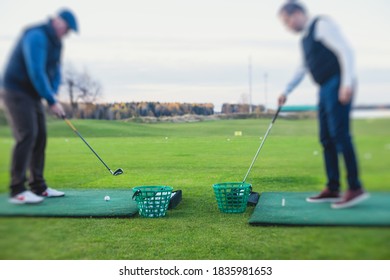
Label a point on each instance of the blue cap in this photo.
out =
(69, 18)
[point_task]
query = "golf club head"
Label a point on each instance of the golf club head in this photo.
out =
(117, 172)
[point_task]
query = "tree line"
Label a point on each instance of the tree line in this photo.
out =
(125, 110)
(119, 111)
(228, 108)
(83, 91)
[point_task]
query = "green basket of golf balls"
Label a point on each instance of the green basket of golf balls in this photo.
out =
(232, 197)
(152, 201)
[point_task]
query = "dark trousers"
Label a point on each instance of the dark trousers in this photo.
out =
(334, 119)
(26, 117)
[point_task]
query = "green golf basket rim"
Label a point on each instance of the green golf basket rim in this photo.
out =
(232, 197)
(152, 201)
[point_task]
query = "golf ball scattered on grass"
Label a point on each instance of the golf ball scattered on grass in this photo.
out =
(107, 198)
(315, 153)
(368, 156)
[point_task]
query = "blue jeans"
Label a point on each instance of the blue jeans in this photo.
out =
(335, 136)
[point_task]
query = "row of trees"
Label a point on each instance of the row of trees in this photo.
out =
(118, 111)
(82, 91)
(228, 108)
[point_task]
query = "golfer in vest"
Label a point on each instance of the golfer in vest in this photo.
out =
(32, 74)
(330, 61)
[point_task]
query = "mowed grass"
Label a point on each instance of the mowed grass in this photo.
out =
(192, 157)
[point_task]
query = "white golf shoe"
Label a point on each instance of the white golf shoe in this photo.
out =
(26, 197)
(49, 192)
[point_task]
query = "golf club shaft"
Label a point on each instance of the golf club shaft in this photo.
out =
(261, 144)
(78, 134)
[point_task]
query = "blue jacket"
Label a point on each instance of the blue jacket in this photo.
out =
(34, 65)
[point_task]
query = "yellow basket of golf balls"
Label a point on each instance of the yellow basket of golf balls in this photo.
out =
(152, 201)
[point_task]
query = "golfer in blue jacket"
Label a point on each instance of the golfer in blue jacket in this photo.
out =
(33, 73)
(329, 59)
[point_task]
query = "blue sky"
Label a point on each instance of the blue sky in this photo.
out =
(198, 51)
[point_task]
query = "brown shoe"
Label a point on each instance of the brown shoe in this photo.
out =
(325, 196)
(351, 198)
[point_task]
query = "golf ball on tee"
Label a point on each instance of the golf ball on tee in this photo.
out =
(106, 198)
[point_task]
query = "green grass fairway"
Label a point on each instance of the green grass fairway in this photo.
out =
(192, 157)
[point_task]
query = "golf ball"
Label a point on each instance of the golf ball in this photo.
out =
(367, 155)
(106, 198)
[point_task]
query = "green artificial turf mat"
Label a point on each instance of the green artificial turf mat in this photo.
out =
(76, 203)
(375, 211)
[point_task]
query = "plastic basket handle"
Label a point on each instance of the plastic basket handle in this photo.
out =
(137, 192)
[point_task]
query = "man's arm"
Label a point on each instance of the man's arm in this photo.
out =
(35, 52)
(294, 82)
(328, 33)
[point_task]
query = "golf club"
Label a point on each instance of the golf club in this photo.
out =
(117, 172)
(262, 143)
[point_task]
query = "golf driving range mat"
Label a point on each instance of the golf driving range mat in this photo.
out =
(76, 203)
(291, 208)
